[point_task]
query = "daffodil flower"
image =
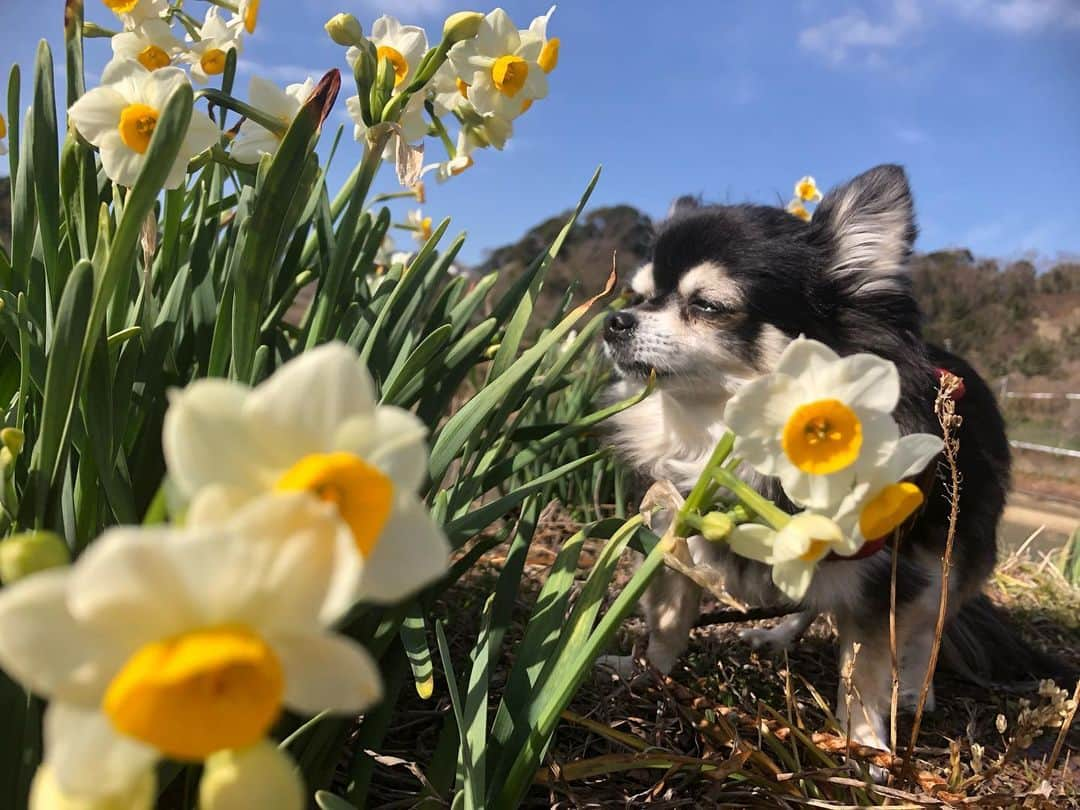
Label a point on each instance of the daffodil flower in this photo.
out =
(448, 91)
(882, 499)
(806, 190)
(3, 134)
(249, 14)
(795, 550)
(151, 44)
(485, 130)
(208, 55)
(166, 642)
(817, 421)
(120, 116)
(500, 67)
(454, 166)
(549, 51)
(254, 140)
(135, 12)
(313, 426)
(797, 208)
(419, 225)
(403, 45)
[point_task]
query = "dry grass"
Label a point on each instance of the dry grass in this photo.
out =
(731, 728)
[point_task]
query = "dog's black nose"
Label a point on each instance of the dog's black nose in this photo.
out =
(619, 325)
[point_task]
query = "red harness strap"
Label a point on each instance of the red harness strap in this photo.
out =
(871, 547)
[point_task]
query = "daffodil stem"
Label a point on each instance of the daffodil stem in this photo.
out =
(751, 499)
(704, 487)
(440, 130)
(220, 99)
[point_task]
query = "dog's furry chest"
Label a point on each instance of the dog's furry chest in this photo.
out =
(664, 438)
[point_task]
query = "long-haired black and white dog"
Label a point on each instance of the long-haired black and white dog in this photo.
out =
(727, 289)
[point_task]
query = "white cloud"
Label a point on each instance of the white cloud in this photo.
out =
(856, 33)
(868, 38)
(1019, 16)
(283, 73)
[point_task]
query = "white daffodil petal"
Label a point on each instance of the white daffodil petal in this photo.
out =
(327, 672)
(793, 578)
(207, 438)
(42, 647)
(762, 406)
(311, 395)
(96, 113)
(393, 441)
(802, 354)
(159, 85)
(412, 552)
(752, 540)
(127, 586)
(214, 504)
(121, 165)
(879, 430)
(87, 757)
(506, 33)
(271, 565)
(867, 380)
(821, 492)
(911, 455)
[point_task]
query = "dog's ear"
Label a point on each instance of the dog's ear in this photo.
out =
(867, 229)
(681, 205)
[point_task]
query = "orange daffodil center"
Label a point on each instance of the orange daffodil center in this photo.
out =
(137, 125)
(397, 61)
(121, 6)
(822, 437)
(152, 58)
(3, 127)
(888, 509)
(213, 61)
(251, 15)
(363, 495)
(199, 692)
(549, 55)
(509, 74)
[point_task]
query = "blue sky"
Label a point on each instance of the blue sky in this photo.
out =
(979, 99)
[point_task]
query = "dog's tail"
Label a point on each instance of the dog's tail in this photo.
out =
(983, 645)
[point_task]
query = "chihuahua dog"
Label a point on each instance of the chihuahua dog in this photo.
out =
(727, 289)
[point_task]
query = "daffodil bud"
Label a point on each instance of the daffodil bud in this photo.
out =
(739, 513)
(461, 26)
(382, 88)
(716, 526)
(46, 794)
(13, 439)
(345, 30)
(251, 779)
(29, 552)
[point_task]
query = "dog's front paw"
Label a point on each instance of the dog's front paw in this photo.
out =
(663, 655)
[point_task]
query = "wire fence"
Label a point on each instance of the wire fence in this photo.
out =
(1044, 431)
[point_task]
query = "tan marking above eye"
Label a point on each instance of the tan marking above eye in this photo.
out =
(711, 282)
(643, 283)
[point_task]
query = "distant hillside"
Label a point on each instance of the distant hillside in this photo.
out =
(1004, 318)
